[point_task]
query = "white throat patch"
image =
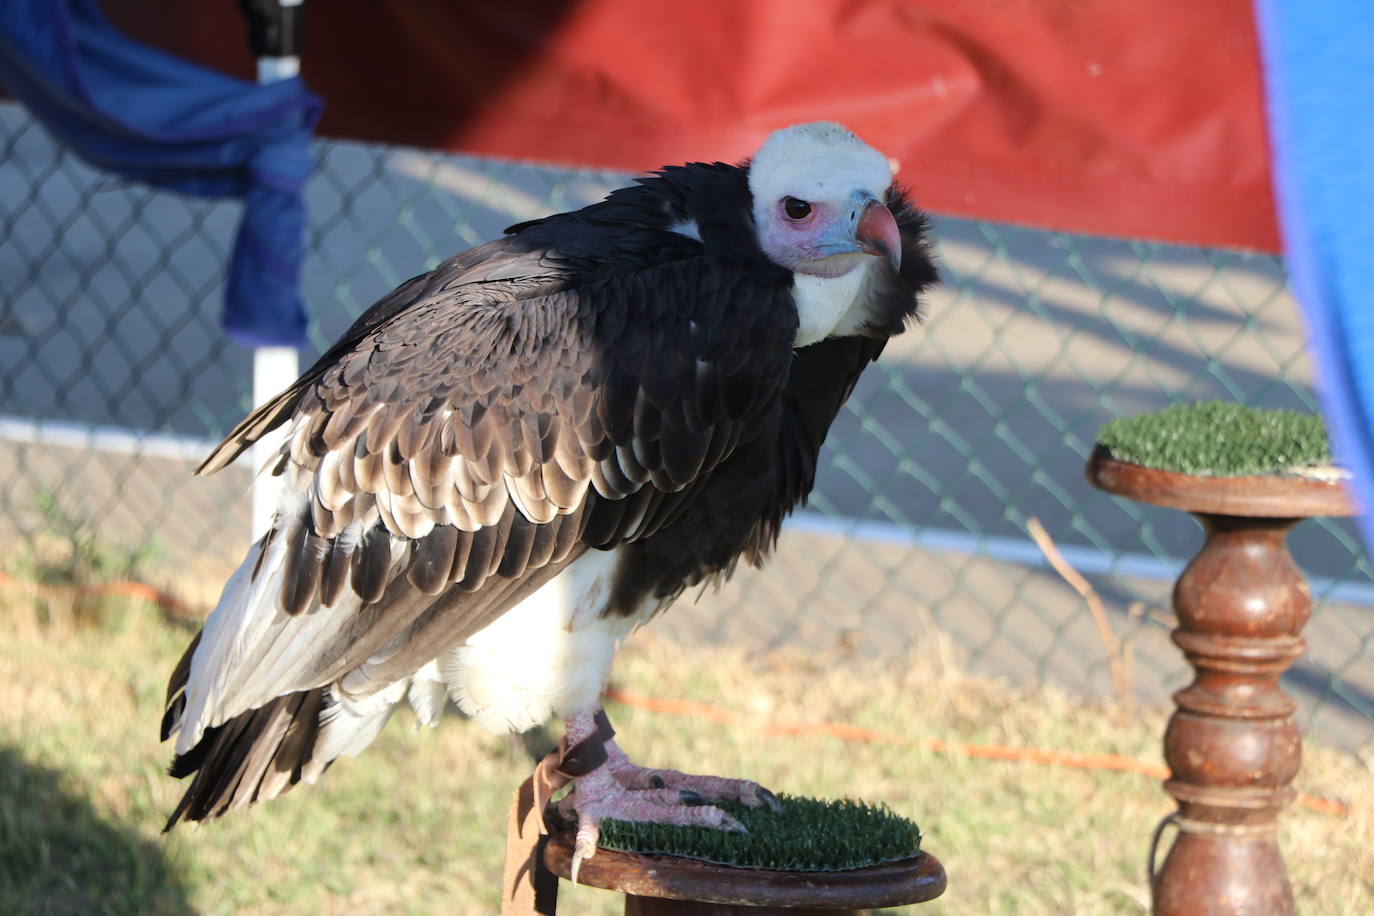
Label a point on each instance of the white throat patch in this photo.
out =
(830, 306)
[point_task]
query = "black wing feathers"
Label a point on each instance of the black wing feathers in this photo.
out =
(768, 473)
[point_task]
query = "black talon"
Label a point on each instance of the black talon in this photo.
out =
(656, 782)
(770, 800)
(691, 799)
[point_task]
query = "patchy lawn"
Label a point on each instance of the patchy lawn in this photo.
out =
(416, 824)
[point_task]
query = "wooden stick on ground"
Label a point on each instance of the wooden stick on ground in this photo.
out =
(1120, 683)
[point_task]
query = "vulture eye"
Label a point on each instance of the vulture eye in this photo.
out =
(795, 208)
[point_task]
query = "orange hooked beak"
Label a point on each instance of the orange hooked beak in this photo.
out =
(876, 233)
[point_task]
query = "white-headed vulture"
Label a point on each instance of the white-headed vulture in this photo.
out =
(512, 461)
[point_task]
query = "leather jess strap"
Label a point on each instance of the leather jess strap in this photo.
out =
(527, 886)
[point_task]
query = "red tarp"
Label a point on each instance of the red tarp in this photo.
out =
(1129, 119)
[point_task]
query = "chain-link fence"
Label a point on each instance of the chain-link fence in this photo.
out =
(115, 379)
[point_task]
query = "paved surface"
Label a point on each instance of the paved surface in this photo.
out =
(972, 425)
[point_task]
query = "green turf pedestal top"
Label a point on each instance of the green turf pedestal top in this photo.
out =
(1219, 439)
(807, 834)
(1258, 496)
(1222, 458)
(813, 853)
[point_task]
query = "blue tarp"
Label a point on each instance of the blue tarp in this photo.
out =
(151, 117)
(1319, 82)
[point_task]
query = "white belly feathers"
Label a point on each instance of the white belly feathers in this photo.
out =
(548, 655)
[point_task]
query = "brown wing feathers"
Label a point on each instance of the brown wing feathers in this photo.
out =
(413, 433)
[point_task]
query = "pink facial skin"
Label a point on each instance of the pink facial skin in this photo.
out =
(821, 239)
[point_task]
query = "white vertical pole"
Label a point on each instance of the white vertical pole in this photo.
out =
(271, 69)
(274, 368)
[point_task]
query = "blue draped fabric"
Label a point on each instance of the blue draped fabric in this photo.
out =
(1319, 82)
(151, 117)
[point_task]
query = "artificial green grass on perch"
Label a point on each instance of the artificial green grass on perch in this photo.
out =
(1222, 439)
(807, 834)
(1248, 476)
(841, 857)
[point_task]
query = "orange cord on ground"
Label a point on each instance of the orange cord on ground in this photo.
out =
(137, 590)
(940, 746)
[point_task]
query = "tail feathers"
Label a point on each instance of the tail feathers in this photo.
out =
(294, 738)
(261, 753)
(176, 690)
(253, 757)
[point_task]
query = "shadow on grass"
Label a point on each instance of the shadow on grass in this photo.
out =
(58, 856)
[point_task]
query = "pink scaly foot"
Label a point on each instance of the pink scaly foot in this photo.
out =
(707, 789)
(599, 794)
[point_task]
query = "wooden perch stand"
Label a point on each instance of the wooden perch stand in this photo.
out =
(672, 886)
(1231, 745)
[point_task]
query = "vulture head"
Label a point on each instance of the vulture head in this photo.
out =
(819, 206)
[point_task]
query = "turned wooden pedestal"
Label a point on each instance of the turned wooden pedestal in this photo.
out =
(1231, 745)
(669, 886)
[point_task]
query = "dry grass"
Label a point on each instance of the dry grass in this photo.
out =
(415, 825)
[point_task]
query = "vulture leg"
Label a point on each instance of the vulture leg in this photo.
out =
(600, 794)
